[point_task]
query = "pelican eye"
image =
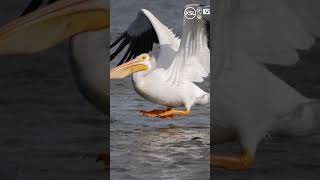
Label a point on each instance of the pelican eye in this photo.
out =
(144, 57)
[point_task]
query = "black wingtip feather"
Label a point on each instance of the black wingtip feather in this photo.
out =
(33, 5)
(208, 32)
(118, 40)
(123, 44)
(137, 44)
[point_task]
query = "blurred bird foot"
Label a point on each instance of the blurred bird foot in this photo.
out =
(105, 159)
(233, 163)
(171, 113)
(153, 113)
(167, 117)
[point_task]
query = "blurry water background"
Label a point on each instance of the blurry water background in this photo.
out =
(48, 130)
(145, 148)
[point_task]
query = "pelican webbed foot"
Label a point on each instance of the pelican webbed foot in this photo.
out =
(233, 163)
(171, 113)
(153, 113)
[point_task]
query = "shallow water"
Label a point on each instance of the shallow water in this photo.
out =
(144, 148)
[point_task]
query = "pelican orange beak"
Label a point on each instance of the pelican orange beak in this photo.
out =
(128, 68)
(52, 24)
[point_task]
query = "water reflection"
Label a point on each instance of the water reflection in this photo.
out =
(171, 152)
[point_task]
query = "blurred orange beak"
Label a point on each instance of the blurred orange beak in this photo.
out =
(52, 24)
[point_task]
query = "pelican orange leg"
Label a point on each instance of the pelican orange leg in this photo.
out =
(233, 163)
(153, 113)
(171, 113)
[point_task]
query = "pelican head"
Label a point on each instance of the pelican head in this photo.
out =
(139, 64)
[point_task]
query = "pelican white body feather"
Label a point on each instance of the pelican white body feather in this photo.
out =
(156, 89)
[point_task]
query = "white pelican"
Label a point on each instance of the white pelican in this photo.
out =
(250, 101)
(168, 79)
(85, 22)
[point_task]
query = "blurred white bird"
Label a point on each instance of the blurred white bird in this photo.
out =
(85, 22)
(248, 100)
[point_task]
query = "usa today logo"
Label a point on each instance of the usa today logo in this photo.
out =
(190, 13)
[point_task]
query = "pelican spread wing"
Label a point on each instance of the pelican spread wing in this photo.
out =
(266, 31)
(185, 59)
(192, 61)
(141, 35)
